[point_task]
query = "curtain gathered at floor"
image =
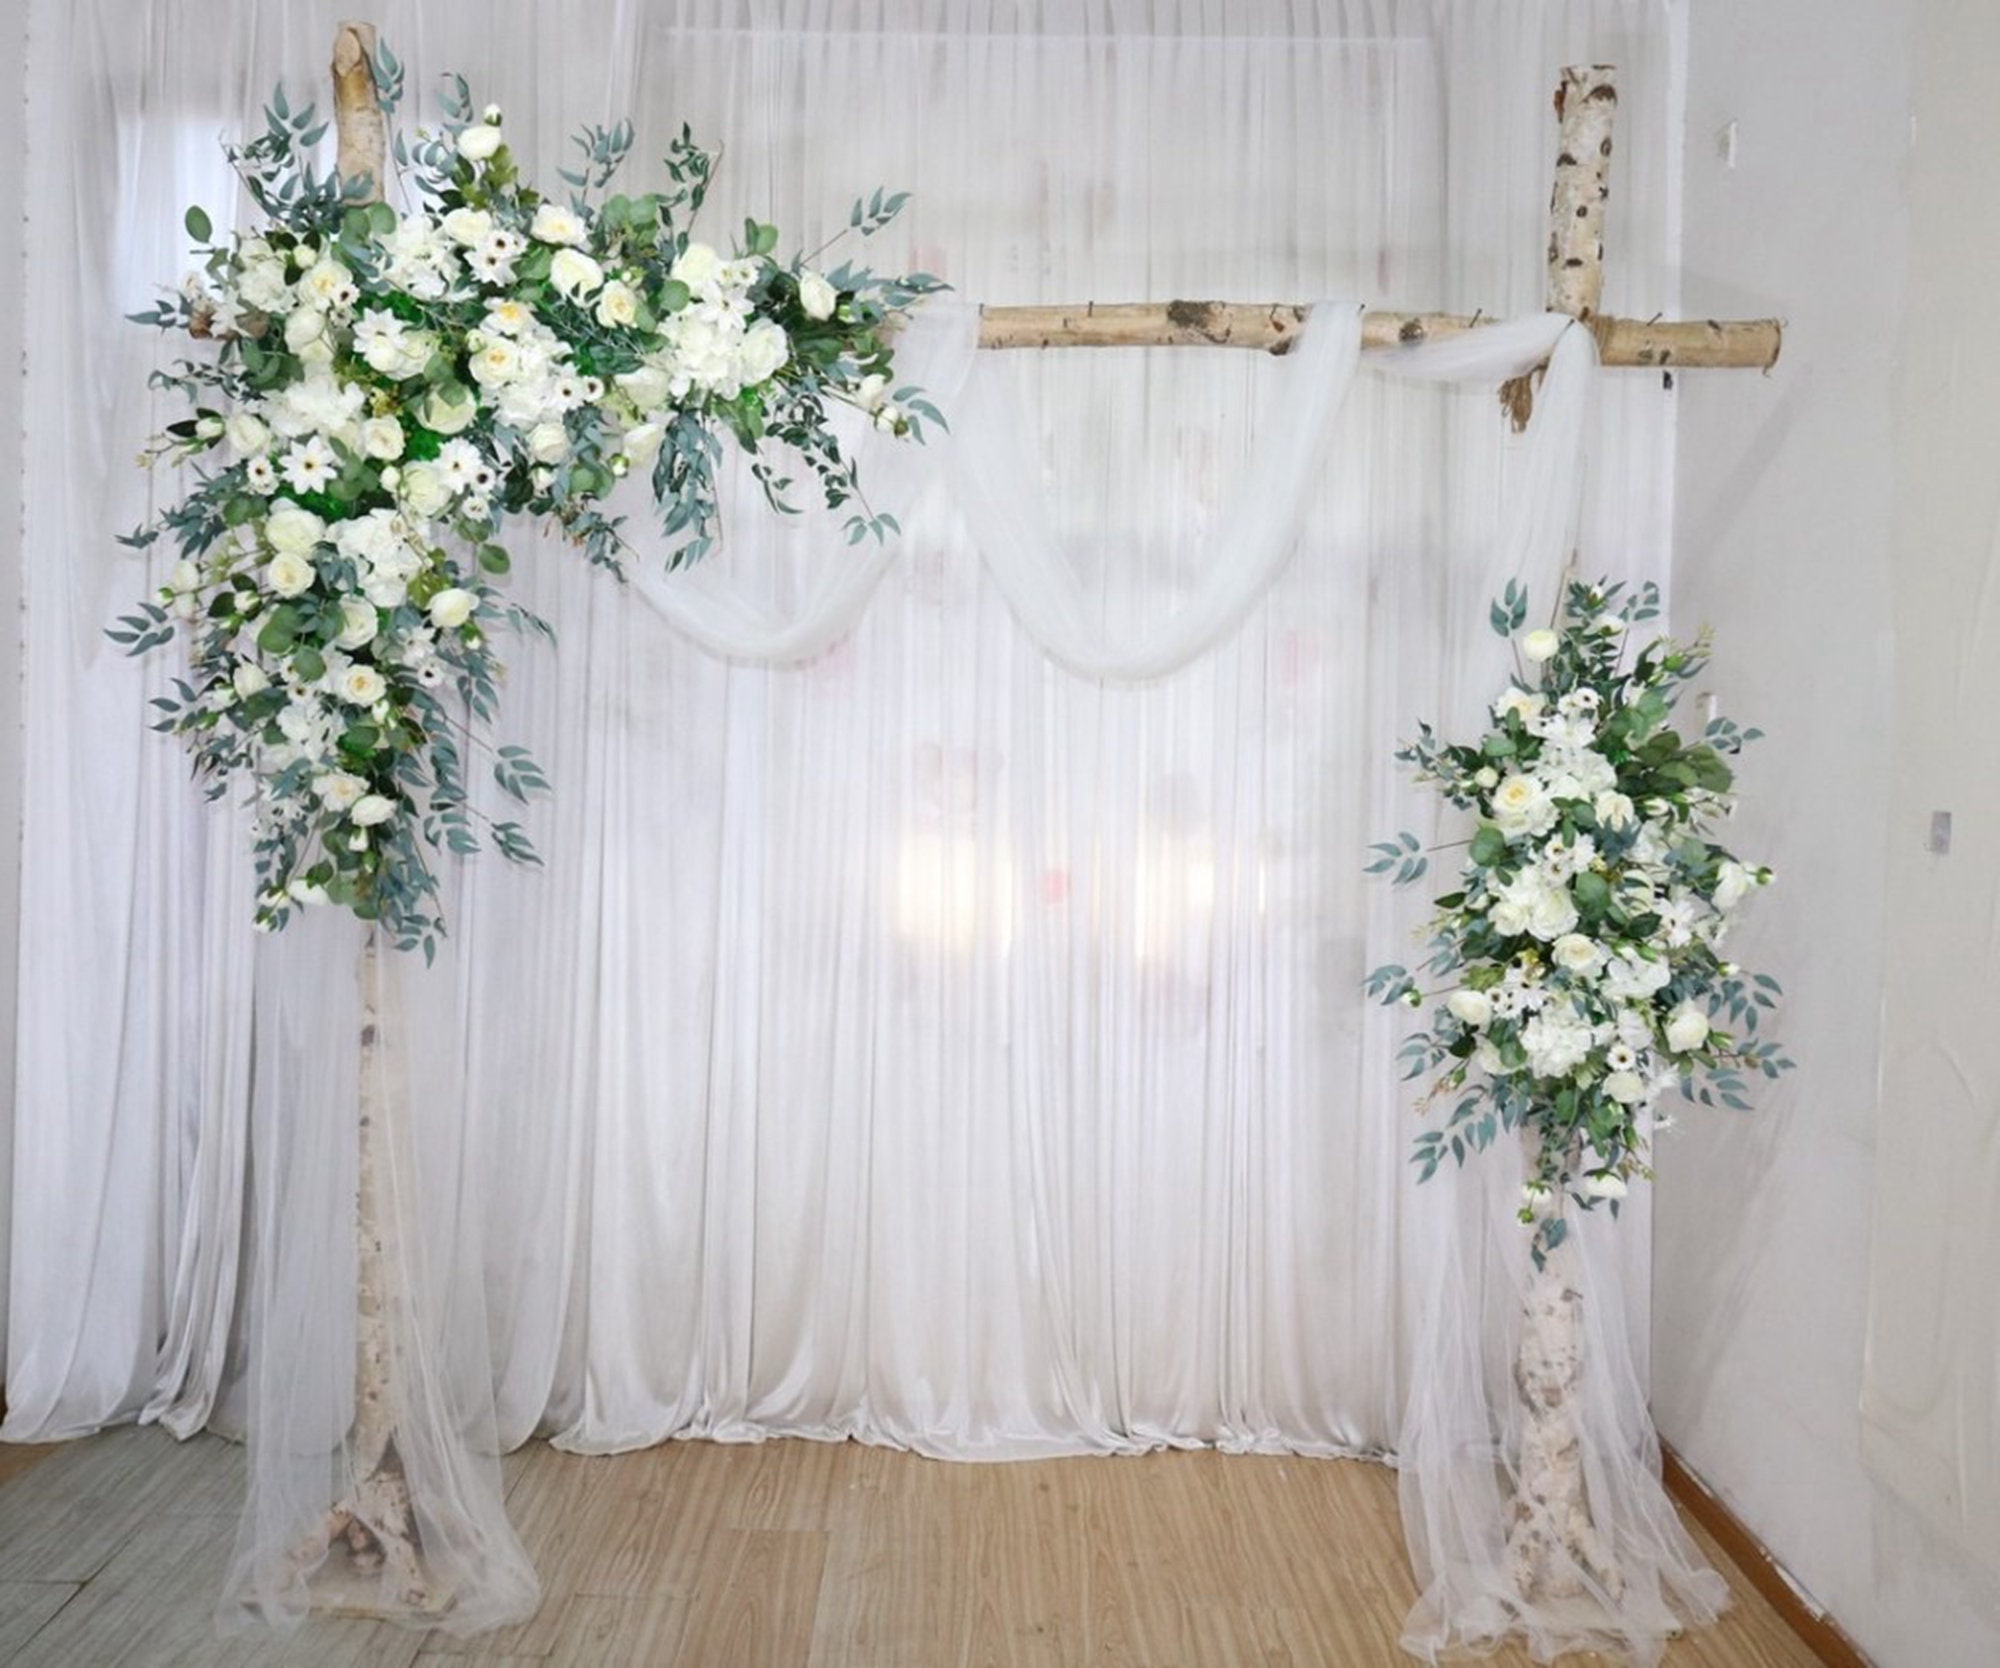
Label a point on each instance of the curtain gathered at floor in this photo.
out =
(938, 1019)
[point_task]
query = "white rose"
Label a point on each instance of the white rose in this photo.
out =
(289, 575)
(1687, 1028)
(642, 444)
(496, 363)
(1613, 810)
(1470, 1006)
(648, 387)
(338, 789)
(382, 438)
(816, 296)
(424, 489)
(447, 416)
(248, 434)
(1519, 702)
(360, 686)
(1625, 1087)
(1575, 952)
(358, 623)
(765, 349)
(304, 328)
(371, 809)
(468, 226)
(555, 224)
(479, 142)
(870, 392)
(548, 442)
(618, 306)
(451, 608)
(575, 274)
(249, 680)
(1732, 882)
(1521, 806)
(1553, 914)
(697, 266)
(1605, 1184)
(1539, 646)
(1509, 919)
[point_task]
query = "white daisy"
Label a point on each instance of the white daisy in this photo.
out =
(311, 467)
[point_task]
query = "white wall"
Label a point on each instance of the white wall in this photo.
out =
(1831, 553)
(13, 91)
(1931, 1399)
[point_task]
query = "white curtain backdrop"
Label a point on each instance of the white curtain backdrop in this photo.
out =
(938, 1021)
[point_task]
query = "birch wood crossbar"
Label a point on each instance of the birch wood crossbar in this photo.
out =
(1704, 344)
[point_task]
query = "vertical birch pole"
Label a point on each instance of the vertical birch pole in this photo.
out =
(1553, 1544)
(361, 131)
(376, 1517)
(1586, 103)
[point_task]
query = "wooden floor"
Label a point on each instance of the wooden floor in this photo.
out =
(793, 1555)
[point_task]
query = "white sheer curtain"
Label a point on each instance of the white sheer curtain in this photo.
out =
(909, 1038)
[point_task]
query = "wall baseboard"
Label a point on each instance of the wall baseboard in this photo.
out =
(1821, 1633)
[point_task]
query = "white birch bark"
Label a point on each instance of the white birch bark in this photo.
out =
(376, 1517)
(362, 132)
(1272, 327)
(1586, 101)
(1553, 1543)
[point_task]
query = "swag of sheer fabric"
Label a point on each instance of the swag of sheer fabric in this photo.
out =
(938, 1020)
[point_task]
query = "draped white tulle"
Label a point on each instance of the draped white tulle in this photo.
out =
(303, 1288)
(909, 1038)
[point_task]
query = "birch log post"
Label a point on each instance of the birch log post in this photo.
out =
(1554, 1546)
(376, 1517)
(362, 133)
(1586, 102)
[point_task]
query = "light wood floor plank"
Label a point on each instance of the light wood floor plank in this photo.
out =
(25, 1609)
(65, 1519)
(19, 1457)
(601, 1630)
(755, 1591)
(891, 1592)
(153, 1606)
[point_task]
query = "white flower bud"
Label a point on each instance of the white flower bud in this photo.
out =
(480, 142)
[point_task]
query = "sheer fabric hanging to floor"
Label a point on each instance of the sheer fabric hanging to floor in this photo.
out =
(916, 1040)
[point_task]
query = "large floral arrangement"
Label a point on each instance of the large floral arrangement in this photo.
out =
(385, 389)
(1580, 965)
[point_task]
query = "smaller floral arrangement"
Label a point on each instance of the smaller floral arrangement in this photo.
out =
(386, 392)
(1580, 966)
